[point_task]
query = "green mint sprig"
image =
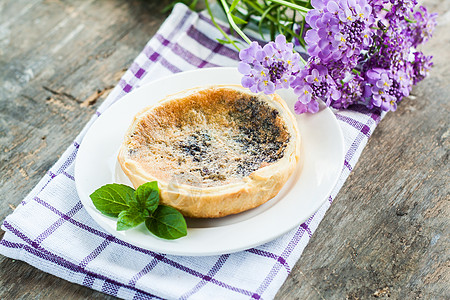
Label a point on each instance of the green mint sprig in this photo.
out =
(133, 207)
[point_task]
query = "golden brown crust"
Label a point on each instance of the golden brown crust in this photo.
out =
(214, 151)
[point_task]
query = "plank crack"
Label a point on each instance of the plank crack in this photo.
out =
(62, 94)
(92, 99)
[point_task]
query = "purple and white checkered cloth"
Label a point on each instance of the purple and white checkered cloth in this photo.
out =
(52, 231)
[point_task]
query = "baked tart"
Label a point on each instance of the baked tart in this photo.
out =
(215, 150)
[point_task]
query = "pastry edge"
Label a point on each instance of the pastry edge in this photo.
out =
(219, 201)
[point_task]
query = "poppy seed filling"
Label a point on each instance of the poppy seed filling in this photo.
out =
(213, 144)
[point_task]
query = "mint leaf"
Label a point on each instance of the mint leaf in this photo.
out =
(147, 196)
(134, 207)
(167, 223)
(130, 218)
(113, 198)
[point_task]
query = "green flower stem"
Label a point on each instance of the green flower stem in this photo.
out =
(356, 72)
(219, 28)
(406, 19)
(232, 23)
(410, 21)
(259, 9)
(291, 5)
(255, 6)
(300, 35)
(302, 60)
(293, 34)
(193, 4)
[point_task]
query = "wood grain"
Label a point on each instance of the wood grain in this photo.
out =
(386, 234)
(58, 61)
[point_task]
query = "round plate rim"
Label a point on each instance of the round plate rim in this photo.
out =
(237, 238)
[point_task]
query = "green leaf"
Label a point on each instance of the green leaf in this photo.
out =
(167, 223)
(193, 4)
(223, 41)
(147, 196)
(134, 207)
(113, 198)
(263, 16)
(238, 20)
(233, 5)
(263, 20)
(130, 218)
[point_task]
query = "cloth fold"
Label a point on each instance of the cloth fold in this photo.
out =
(51, 230)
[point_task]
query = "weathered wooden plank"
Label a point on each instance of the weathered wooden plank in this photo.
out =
(52, 65)
(55, 56)
(387, 233)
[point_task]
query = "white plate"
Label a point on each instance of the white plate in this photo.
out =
(303, 194)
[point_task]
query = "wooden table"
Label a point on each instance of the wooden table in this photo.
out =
(387, 232)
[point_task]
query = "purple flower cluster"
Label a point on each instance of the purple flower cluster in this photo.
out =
(400, 8)
(391, 52)
(422, 30)
(377, 89)
(269, 68)
(351, 92)
(421, 66)
(361, 51)
(340, 30)
(313, 83)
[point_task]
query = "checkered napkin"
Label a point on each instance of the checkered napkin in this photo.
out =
(53, 232)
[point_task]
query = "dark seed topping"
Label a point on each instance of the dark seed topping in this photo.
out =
(259, 137)
(210, 139)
